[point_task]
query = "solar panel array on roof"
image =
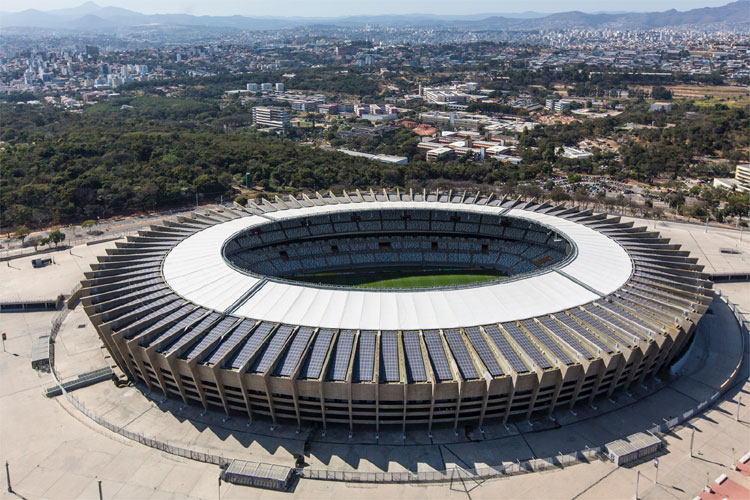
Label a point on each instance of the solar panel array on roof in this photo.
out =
(593, 320)
(294, 352)
(547, 342)
(252, 344)
(389, 356)
(484, 351)
(166, 320)
(150, 304)
(651, 302)
(568, 321)
(174, 329)
(144, 294)
(563, 335)
(624, 306)
(122, 282)
(226, 344)
(461, 354)
(364, 367)
(629, 331)
(273, 349)
(414, 360)
(212, 336)
(526, 345)
(138, 288)
(656, 295)
(506, 349)
(165, 310)
(437, 355)
(314, 362)
(342, 355)
(191, 333)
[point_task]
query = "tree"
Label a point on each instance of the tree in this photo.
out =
(34, 241)
(21, 233)
(241, 200)
(661, 93)
(88, 224)
(558, 194)
(56, 236)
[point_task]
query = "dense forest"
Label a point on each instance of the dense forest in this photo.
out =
(59, 166)
(145, 151)
(660, 145)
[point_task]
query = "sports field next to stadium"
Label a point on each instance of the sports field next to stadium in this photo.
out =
(417, 277)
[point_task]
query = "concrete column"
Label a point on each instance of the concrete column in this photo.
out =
(616, 377)
(485, 398)
(138, 357)
(556, 393)
(460, 391)
(150, 353)
(220, 388)
(598, 382)
(534, 394)
(243, 386)
(635, 359)
(651, 354)
(322, 396)
(198, 383)
(376, 380)
(432, 405)
(596, 365)
(511, 395)
(269, 396)
(176, 375)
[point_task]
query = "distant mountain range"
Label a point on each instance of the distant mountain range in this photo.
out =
(91, 17)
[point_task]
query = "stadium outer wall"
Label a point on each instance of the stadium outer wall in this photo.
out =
(162, 338)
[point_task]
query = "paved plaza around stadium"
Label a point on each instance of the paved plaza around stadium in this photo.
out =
(55, 452)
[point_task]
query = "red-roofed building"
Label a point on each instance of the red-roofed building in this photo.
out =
(725, 488)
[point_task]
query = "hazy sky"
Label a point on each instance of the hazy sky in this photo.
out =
(327, 8)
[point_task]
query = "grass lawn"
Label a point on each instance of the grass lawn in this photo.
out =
(401, 278)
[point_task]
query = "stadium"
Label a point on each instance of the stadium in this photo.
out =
(394, 308)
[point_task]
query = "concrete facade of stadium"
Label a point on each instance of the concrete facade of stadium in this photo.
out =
(225, 358)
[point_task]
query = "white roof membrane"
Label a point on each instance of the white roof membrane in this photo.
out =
(196, 270)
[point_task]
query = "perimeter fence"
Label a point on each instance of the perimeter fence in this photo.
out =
(457, 473)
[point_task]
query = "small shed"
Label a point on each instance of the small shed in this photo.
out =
(259, 475)
(40, 353)
(632, 448)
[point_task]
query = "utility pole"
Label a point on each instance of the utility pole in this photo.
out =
(692, 437)
(637, 477)
(100, 490)
(196, 199)
(737, 417)
(7, 476)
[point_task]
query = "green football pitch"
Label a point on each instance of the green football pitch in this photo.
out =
(402, 277)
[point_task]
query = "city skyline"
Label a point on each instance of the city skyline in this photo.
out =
(340, 8)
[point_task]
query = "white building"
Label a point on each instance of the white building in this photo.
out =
(398, 160)
(740, 182)
(271, 116)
